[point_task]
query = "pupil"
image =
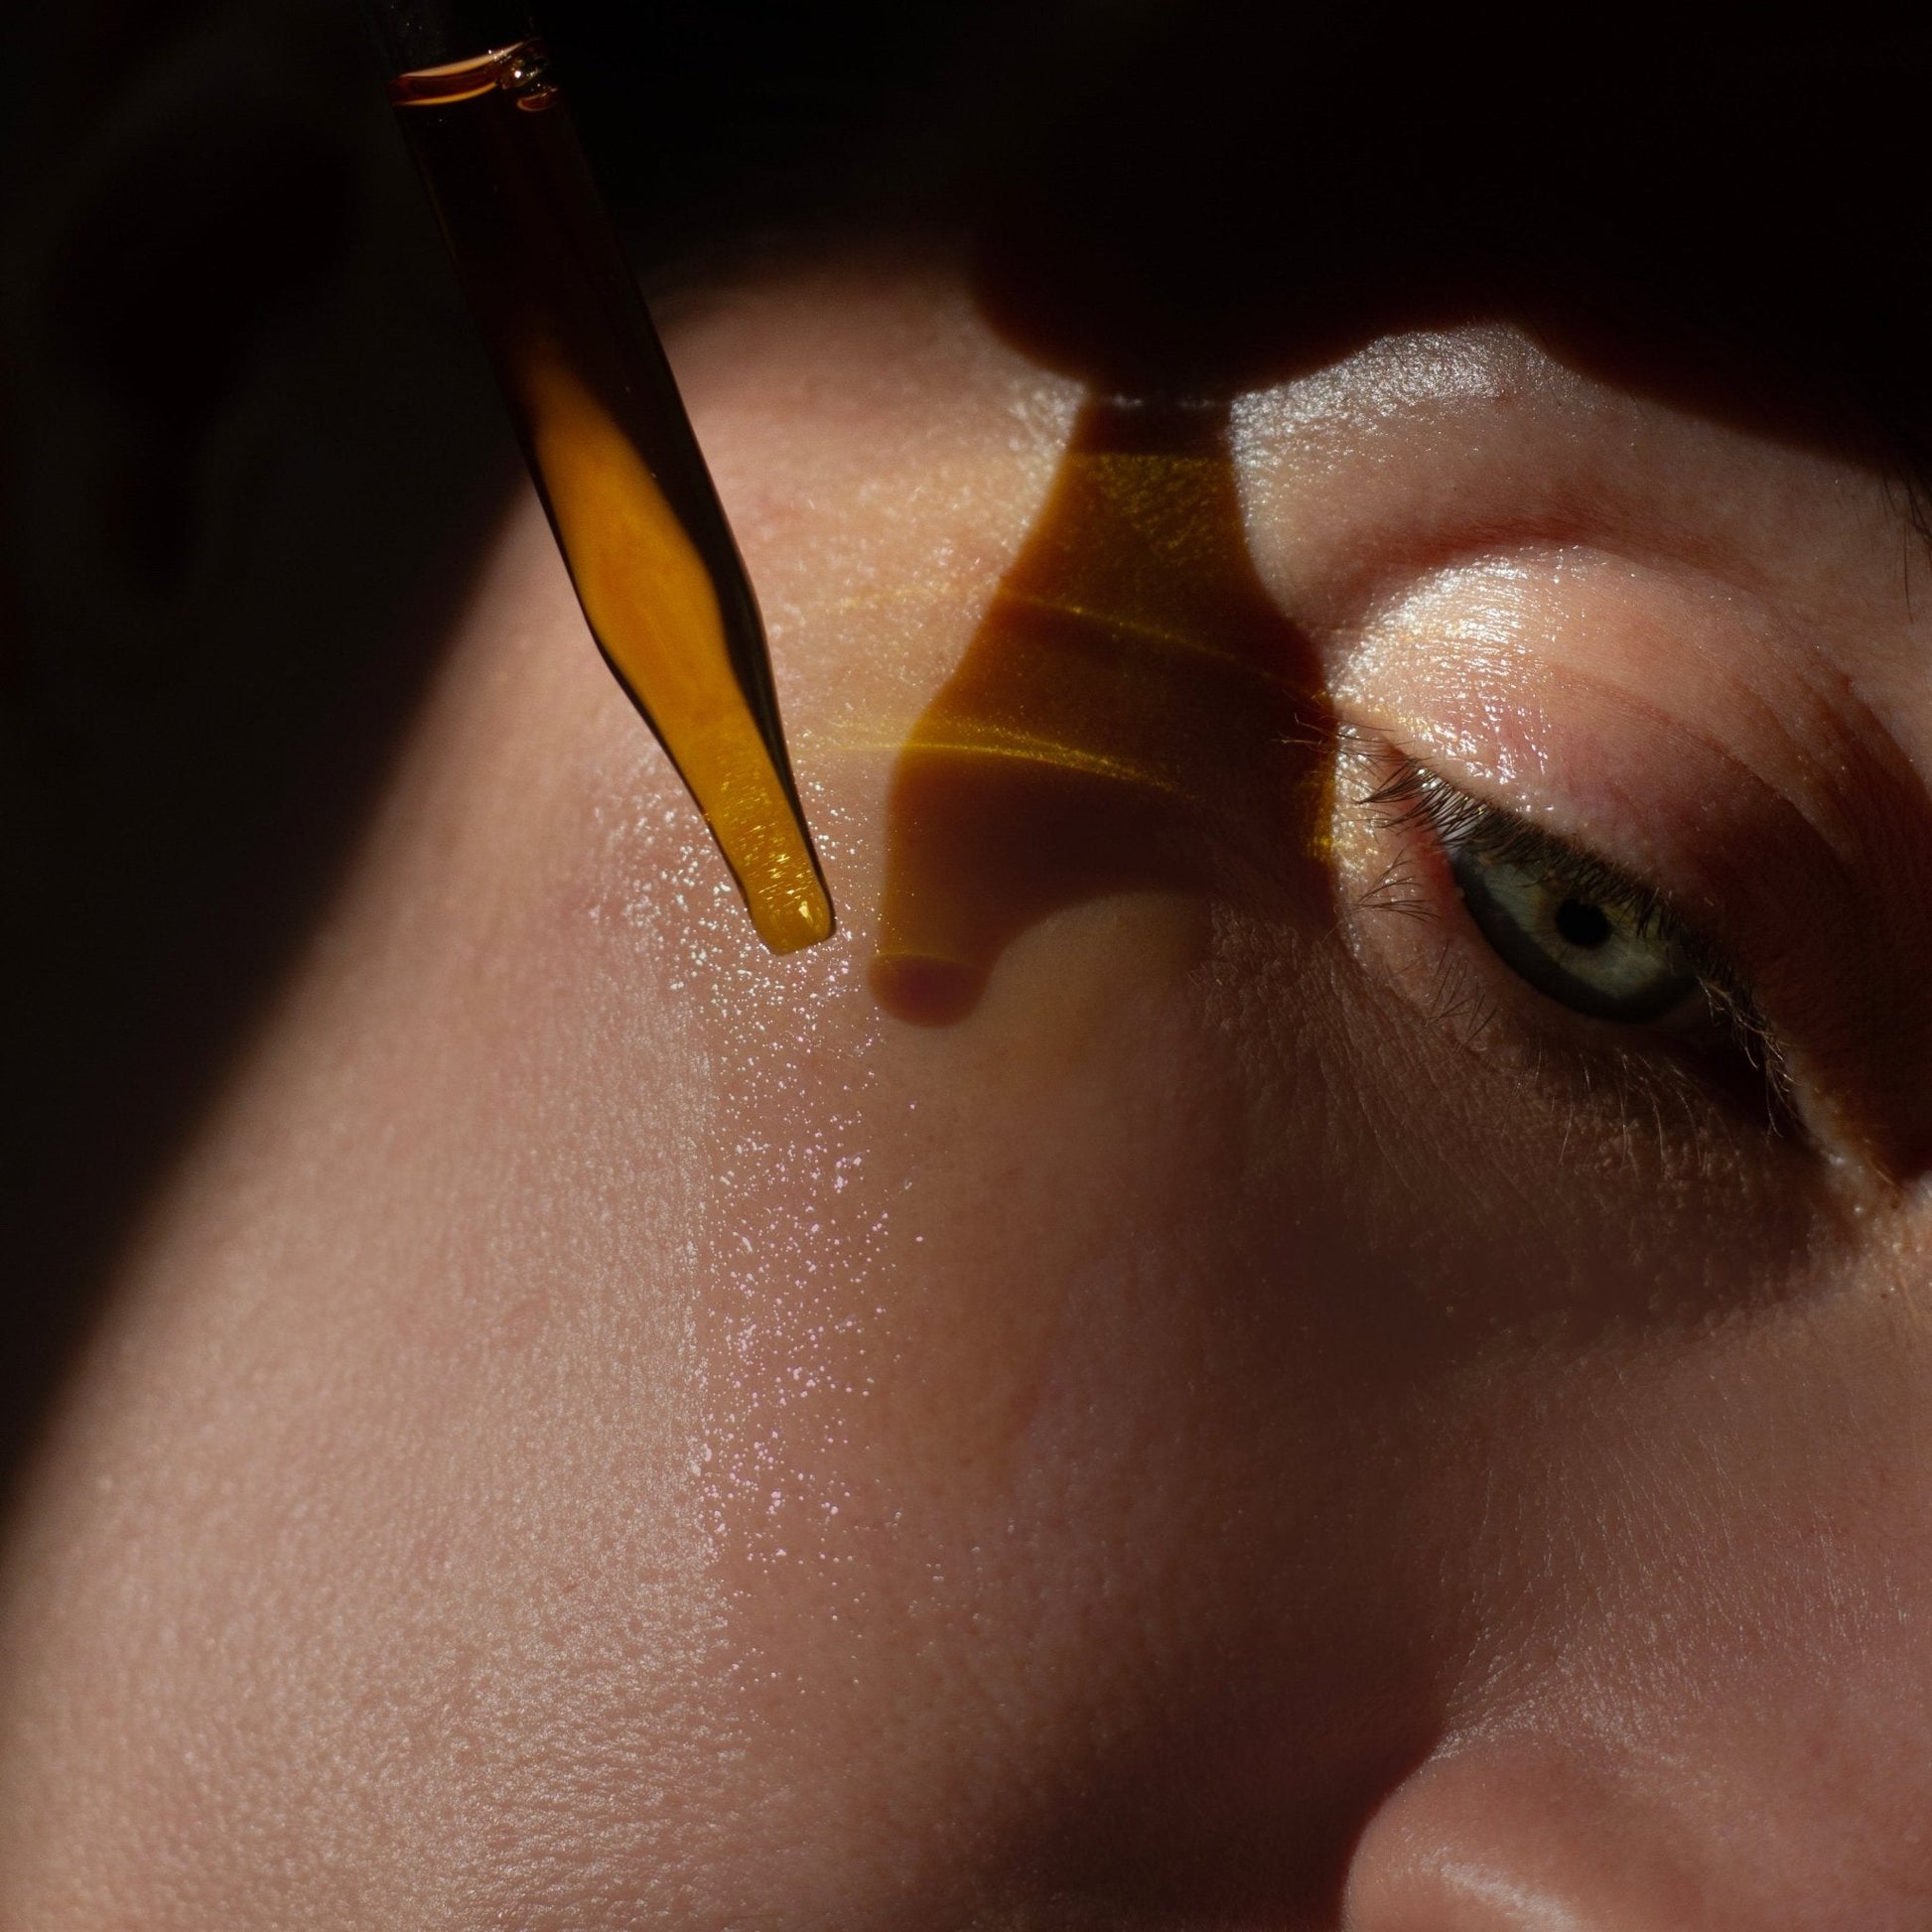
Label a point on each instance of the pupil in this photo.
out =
(1581, 924)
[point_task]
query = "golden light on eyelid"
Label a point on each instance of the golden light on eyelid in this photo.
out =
(1134, 712)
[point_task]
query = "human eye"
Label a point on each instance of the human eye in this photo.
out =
(1636, 830)
(1579, 931)
(1510, 924)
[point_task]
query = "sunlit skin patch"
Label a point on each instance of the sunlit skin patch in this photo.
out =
(1134, 712)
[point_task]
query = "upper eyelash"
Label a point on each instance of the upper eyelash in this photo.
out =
(1413, 795)
(1456, 819)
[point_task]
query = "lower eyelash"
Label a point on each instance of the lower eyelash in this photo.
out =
(1411, 798)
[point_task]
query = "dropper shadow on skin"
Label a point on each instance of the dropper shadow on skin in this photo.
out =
(1134, 712)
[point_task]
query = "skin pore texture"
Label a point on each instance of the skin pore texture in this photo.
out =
(1269, 1422)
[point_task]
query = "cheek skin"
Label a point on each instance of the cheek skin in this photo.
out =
(1722, 1718)
(972, 1481)
(375, 1487)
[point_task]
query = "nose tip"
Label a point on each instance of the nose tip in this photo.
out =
(1496, 1839)
(1507, 1835)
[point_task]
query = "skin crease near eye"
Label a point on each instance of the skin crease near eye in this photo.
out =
(608, 1428)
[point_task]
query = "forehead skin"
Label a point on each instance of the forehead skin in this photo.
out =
(608, 1428)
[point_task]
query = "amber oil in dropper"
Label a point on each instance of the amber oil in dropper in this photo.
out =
(614, 459)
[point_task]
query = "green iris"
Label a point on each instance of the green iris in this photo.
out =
(1573, 935)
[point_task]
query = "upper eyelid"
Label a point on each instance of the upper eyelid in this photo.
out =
(1483, 651)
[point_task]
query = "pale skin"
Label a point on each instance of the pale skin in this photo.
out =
(1271, 1422)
